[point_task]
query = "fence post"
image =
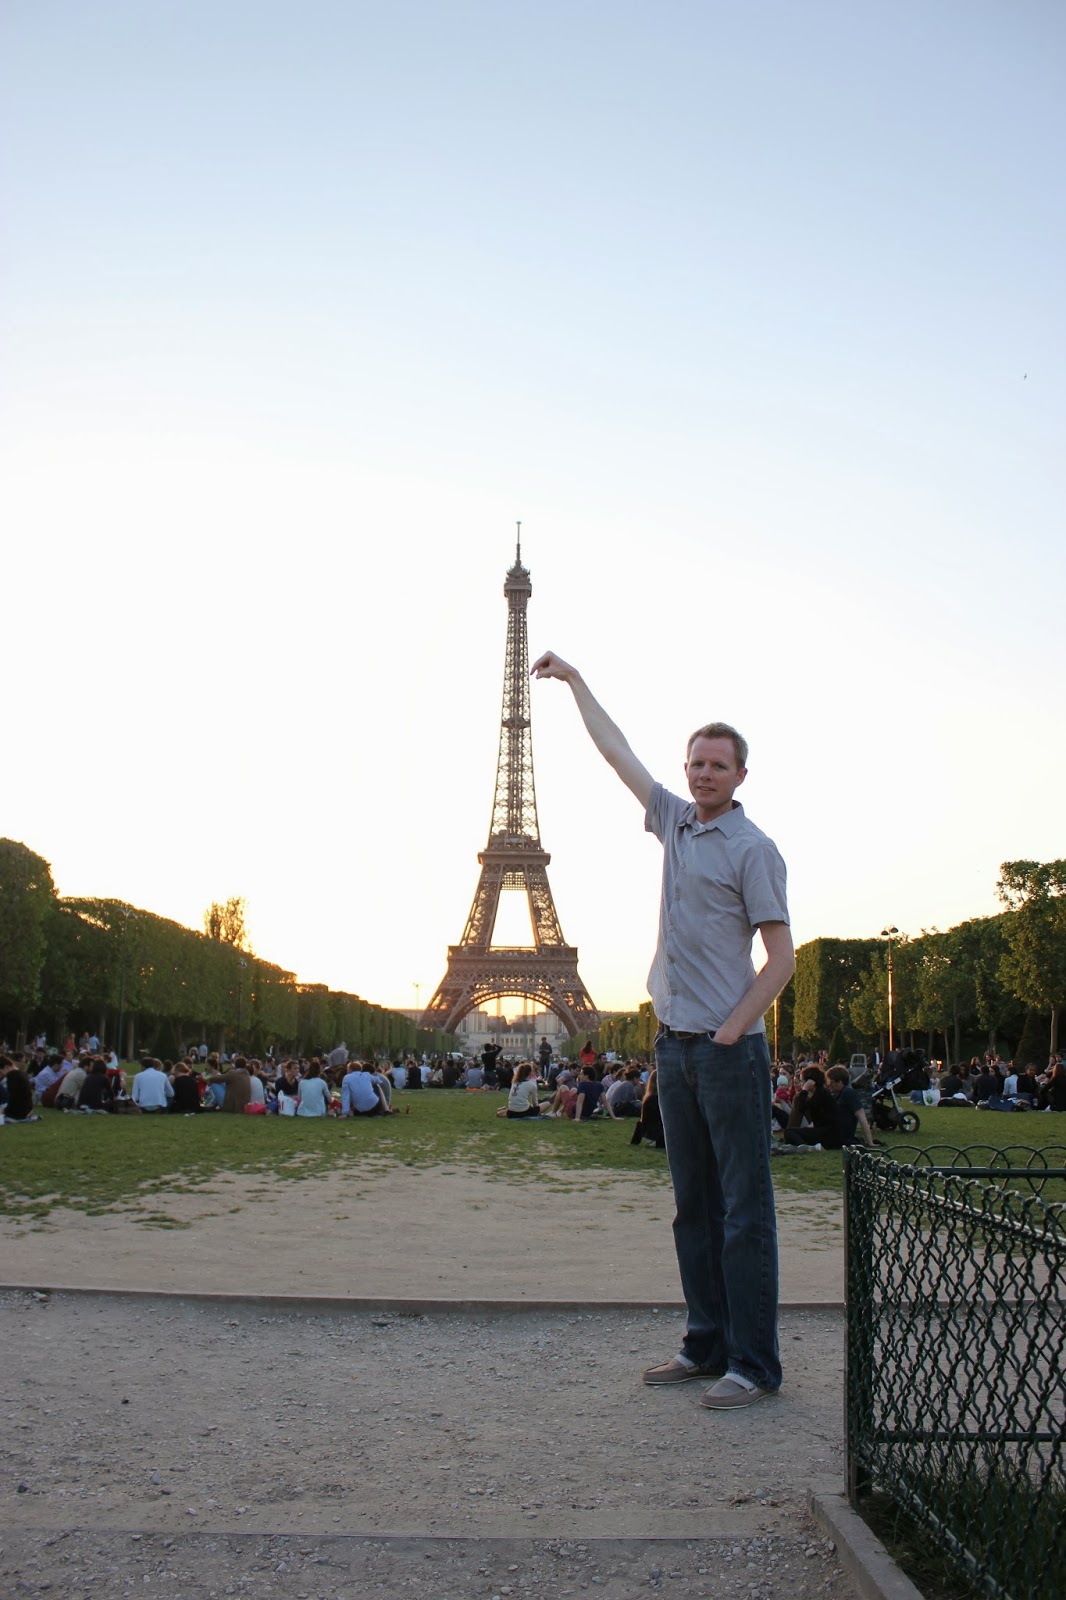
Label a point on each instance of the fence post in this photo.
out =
(859, 1321)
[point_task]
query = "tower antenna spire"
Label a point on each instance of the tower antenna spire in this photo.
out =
(518, 551)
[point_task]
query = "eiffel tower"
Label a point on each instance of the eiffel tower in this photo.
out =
(514, 858)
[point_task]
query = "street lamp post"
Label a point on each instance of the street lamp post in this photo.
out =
(240, 987)
(126, 915)
(888, 933)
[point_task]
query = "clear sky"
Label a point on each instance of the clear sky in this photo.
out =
(752, 313)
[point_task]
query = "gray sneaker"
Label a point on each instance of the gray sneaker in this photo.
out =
(676, 1371)
(728, 1395)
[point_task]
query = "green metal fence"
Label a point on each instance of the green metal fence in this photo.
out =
(956, 1355)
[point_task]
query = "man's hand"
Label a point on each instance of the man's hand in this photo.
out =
(549, 665)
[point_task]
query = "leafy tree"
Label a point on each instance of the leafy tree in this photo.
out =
(829, 974)
(945, 988)
(629, 1033)
(1034, 967)
(77, 968)
(1032, 1046)
(27, 896)
(838, 1046)
(228, 923)
(647, 1027)
(982, 943)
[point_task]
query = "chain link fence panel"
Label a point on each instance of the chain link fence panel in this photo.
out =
(955, 1376)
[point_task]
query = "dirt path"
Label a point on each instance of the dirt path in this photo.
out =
(402, 1232)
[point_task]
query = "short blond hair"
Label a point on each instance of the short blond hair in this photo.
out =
(721, 730)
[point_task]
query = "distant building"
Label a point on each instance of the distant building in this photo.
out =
(519, 1037)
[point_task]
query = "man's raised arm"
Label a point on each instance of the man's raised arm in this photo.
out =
(608, 738)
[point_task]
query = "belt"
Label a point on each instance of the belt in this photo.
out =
(688, 1033)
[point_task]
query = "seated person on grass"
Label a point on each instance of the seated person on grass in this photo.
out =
(589, 1094)
(361, 1095)
(623, 1096)
(287, 1085)
(17, 1092)
(522, 1099)
(186, 1090)
(256, 1084)
(382, 1079)
(238, 1086)
(988, 1085)
(152, 1089)
(851, 1117)
(563, 1101)
(815, 1106)
(650, 1125)
(784, 1094)
(97, 1093)
(69, 1087)
(314, 1093)
(46, 1083)
(1053, 1092)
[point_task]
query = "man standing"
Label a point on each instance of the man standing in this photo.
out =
(722, 879)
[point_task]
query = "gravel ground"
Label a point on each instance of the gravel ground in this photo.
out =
(93, 1565)
(200, 1450)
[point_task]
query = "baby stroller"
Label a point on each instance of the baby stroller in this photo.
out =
(904, 1070)
(887, 1112)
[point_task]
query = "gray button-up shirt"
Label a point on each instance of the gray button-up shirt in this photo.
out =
(721, 879)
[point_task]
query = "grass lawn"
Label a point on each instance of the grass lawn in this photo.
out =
(94, 1163)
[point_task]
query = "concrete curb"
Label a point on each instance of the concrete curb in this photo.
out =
(862, 1555)
(399, 1306)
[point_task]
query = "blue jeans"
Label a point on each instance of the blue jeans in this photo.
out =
(715, 1104)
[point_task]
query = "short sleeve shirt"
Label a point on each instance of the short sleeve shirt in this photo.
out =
(721, 880)
(592, 1091)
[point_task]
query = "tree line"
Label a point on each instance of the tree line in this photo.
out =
(107, 967)
(83, 963)
(989, 982)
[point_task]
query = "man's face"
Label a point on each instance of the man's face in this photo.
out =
(713, 776)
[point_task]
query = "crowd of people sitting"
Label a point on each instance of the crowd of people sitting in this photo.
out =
(86, 1078)
(814, 1106)
(819, 1107)
(992, 1084)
